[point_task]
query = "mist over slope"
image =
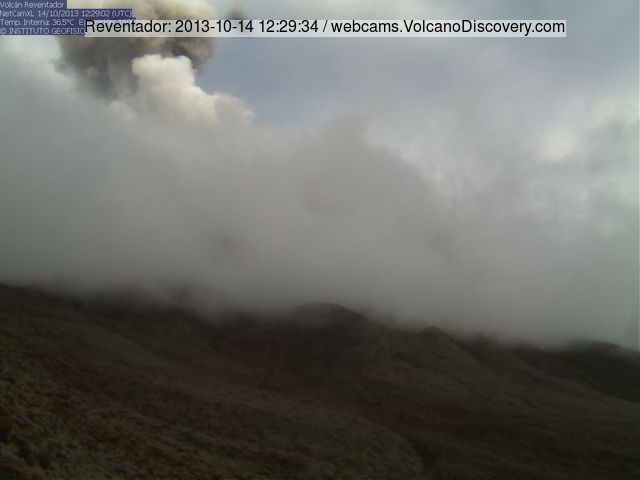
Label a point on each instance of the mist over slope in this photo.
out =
(167, 189)
(103, 389)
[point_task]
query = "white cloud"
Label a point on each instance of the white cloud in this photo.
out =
(171, 188)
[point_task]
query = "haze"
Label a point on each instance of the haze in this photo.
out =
(484, 185)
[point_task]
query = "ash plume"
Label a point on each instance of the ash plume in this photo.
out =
(104, 64)
(172, 190)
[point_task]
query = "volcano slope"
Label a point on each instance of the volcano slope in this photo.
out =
(118, 390)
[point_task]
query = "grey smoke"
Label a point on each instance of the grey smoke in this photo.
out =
(236, 13)
(170, 190)
(104, 64)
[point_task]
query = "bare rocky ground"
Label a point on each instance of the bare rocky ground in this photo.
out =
(116, 390)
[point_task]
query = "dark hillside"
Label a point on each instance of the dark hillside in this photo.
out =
(120, 390)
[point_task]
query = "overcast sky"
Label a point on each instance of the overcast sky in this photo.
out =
(462, 110)
(436, 179)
